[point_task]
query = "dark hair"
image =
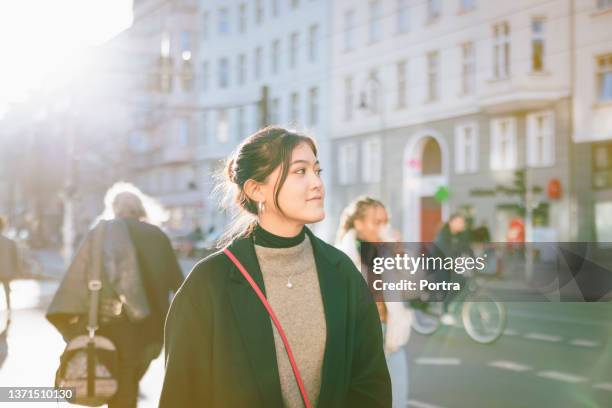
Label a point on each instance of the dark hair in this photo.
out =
(255, 158)
(456, 214)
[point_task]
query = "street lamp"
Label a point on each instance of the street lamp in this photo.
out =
(69, 192)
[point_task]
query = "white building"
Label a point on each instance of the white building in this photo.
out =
(435, 96)
(245, 46)
(592, 114)
(163, 44)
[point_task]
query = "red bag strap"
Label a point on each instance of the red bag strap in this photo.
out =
(263, 299)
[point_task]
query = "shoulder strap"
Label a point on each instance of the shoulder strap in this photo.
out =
(94, 283)
(263, 299)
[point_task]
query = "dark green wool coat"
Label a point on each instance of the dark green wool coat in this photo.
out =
(219, 342)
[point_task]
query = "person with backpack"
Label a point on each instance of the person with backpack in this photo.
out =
(138, 271)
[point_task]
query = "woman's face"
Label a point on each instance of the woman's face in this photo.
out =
(368, 227)
(301, 195)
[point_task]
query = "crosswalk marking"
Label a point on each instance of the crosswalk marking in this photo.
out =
(566, 377)
(437, 361)
(603, 386)
(584, 343)
(419, 404)
(509, 365)
(543, 337)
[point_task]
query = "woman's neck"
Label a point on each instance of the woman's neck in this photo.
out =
(265, 238)
(282, 228)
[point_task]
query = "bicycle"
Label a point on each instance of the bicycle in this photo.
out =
(483, 317)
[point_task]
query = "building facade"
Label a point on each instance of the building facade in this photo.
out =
(163, 101)
(259, 62)
(592, 116)
(447, 106)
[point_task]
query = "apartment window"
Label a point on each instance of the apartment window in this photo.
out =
(293, 49)
(242, 17)
(373, 96)
(183, 134)
(240, 123)
(602, 165)
(403, 16)
(258, 62)
(402, 84)
(537, 45)
(274, 111)
(313, 106)
(204, 128)
(604, 77)
(165, 45)
(603, 222)
(185, 43)
(349, 30)
(275, 8)
(433, 77)
(347, 163)
(503, 144)
(205, 25)
(186, 75)
(313, 41)
(294, 113)
(242, 69)
(540, 139)
(371, 154)
(348, 98)
(604, 4)
(165, 65)
(222, 126)
(434, 9)
(223, 73)
(224, 21)
(468, 68)
(205, 75)
(259, 11)
(468, 5)
(375, 21)
(466, 148)
(501, 50)
(275, 56)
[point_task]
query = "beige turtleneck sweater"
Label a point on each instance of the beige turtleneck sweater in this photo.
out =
(300, 311)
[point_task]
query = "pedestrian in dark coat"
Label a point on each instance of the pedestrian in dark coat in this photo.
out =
(221, 347)
(134, 324)
(452, 241)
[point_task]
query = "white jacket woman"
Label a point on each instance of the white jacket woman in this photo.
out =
(399, 317)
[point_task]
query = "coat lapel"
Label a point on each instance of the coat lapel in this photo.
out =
(334, 294)
(256, 328)
(254, 323)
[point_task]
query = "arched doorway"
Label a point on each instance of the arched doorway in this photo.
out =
(425, 170)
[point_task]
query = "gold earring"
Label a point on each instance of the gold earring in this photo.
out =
(261, 207)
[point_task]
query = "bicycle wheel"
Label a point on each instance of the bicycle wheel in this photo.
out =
(484, 318)
(425, 321)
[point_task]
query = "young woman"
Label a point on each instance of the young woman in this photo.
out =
(367, 220)
(222, 349)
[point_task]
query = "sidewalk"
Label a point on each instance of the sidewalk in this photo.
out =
(29, 356)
